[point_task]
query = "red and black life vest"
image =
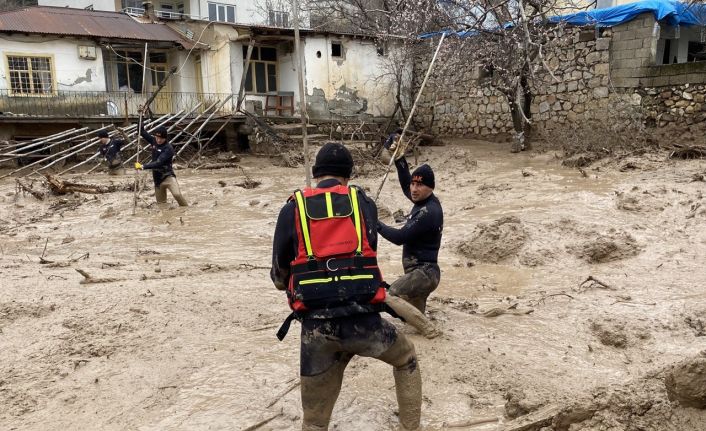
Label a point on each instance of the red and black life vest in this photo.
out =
(335, 271)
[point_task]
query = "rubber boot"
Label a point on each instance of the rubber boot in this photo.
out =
(408, 381)
(319, 394)
(412, 316)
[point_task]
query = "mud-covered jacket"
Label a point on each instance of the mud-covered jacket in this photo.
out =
(420, 237)
(162, 157)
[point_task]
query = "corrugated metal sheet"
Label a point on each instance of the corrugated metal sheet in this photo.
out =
(84, 23)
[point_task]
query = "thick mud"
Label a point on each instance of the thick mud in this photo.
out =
(183, 337)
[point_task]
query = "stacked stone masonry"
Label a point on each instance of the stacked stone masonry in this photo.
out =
(591, 79)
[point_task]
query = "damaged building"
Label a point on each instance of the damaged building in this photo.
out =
(65, 67)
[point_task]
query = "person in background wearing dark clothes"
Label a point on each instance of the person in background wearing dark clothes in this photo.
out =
(386, 153)
(110, 151)
(324, 257)
(420, 237)
(161, 166)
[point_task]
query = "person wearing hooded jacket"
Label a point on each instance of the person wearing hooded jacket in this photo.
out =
(161, 166)
(330, 337)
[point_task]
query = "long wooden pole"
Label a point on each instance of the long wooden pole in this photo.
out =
(139, 134)
(409, 118)
(302, 95)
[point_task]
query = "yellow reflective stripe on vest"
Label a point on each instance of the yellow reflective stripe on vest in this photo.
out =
(329, 205)
(356, 218)
(302, 218)
(357, 277)
(317, 280)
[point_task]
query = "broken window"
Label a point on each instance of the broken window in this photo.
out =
(125, 71)
(696, 51)
(336, 49)
(262, 73)
(30, 75)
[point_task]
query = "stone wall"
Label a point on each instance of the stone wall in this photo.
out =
(593, 78)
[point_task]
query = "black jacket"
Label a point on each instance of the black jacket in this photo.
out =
(420, 237)
(111, 150)
(162, 156)
(285, 242)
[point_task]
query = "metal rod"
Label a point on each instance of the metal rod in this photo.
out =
(204, 124)
(35, 142)
(302, 97)
(194, 120)
(139, 134)
(43, 148)
(409, 117)
(51, 156)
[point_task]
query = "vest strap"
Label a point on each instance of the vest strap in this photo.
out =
(332, 265)
(284, 329)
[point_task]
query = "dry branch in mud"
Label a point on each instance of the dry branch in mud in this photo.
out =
(593, 282)
(88, 279)
(62, 187)
(219, 165)
(680, 151)
(23, 186)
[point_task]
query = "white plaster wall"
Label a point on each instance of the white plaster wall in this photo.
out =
(185, 80)
(71, 73)
(216, 69)
(361, 70)
(105, 5)
(247, 11)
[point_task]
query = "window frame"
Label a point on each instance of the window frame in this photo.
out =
(226, 7)
(278, 15)
(30, 56)
(340, 44)
(112, 62)
(256, 58)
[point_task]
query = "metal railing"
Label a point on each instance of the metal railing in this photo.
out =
(86, 104)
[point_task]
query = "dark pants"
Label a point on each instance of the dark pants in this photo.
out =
(327, 345)
(417, 284)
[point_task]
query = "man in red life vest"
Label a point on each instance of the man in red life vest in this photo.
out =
(324, 257)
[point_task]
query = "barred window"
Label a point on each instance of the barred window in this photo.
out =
(30, 75)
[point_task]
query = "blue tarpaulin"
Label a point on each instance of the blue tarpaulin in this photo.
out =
(671, 12)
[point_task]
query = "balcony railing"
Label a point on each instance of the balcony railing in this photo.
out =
(88, 104)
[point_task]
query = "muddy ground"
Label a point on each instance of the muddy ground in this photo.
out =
(183, 338)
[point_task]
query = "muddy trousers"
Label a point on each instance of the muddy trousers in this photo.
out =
(417, 284)
(171, 184)
(327, 347)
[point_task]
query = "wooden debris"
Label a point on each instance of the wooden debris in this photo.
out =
(470, 422)
(88, 279)
(594, 282)
(535, 420)
(61, 187)
(219, 165)
(499, 311)
(23, 186)
(687, 151)
(283, 393)
(263, 422)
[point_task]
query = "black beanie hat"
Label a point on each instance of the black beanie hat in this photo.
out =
(425, 175)
(333, 159)
(103, 134)
(161, 131)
